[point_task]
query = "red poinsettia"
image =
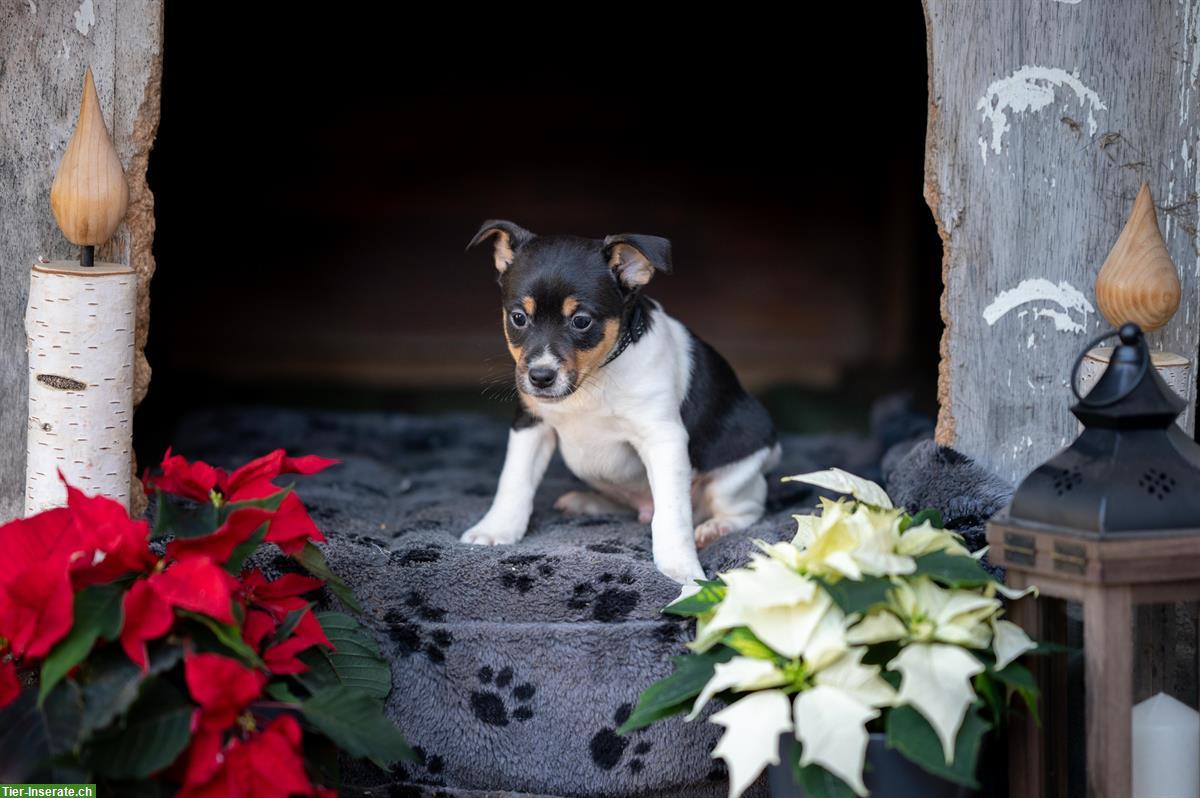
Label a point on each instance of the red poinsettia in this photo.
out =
(291, 525)
(10, 688)
(280, 656)
(222, 686)
(266, 764)
(35, 588)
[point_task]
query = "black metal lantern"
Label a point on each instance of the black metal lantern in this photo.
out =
(1110, 522)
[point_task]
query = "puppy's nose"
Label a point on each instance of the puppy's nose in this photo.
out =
(542, 376)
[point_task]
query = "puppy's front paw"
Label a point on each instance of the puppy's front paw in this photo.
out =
(683, 567)
(712, 529)
(483, 534)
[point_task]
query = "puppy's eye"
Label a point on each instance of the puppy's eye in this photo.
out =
(581, 321)
(518, 319)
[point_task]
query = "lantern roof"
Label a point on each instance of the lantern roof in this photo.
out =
(1131, 471)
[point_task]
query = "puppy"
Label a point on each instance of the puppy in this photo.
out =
(643, 411)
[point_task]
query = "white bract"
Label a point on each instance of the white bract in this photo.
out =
(800, 664)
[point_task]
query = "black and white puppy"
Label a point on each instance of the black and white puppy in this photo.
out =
(644, 412)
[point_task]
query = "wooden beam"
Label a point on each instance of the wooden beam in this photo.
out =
(1044, 120)
(45, 48)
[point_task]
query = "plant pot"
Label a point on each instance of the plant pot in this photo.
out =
(888, 775)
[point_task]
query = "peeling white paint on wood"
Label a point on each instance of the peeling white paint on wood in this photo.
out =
(1002, 224)
(85, 17)
(1039, 289)
(1030, 89)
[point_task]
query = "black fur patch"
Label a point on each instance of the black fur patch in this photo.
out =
(724, 423)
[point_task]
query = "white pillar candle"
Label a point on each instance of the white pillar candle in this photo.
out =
(1166, 749)
(80, 325)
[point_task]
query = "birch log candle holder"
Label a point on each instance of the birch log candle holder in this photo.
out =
(80, 326)
(1138, 282)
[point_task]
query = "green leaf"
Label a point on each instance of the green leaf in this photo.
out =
(32, 733)
(356, 662)
(675, 693)
(98, 613)
(229, 636)
(910, 734)
(150, 736)
(314, 562)
(270, 503)
(281, 692)
(746, 643)
(356, 723)
(1017, 679)
(173, 518)
(711, 594)
(857, 595)
(930, 514)
(241, 553)
(110, 682)
(953, 570)
(818, 782)
(986, 688)
(289, 624)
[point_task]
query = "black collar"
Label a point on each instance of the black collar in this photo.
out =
(633, 327)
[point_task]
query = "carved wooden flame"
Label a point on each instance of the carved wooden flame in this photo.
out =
(1138, 281)
(89, 194)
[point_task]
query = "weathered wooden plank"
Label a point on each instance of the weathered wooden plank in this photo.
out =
(44, 47)
(1045, 117)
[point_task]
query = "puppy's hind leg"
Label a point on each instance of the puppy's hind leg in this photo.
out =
(735, 495)
(586, 502)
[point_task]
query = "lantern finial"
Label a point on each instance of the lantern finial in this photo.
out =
(89, 194)
(1138, 281)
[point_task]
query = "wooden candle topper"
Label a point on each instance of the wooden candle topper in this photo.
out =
(1138, 282)
(80, 328)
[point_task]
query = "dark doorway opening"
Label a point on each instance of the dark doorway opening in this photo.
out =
(316, 178)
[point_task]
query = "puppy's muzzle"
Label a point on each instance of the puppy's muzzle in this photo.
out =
(542, 377)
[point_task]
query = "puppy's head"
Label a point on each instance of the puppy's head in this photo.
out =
(563, 298)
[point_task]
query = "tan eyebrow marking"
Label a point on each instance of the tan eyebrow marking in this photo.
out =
(529, 304)
(570, 305)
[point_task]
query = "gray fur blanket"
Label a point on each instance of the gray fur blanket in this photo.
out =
(514, 665)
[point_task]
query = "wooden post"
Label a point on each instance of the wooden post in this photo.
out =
(1045, 119)
(46, 46)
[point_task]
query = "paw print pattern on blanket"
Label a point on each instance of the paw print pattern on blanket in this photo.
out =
(607, 596)
(491, 707)
(428, 769)
(608, 748)
(411, 637)
(521, 572)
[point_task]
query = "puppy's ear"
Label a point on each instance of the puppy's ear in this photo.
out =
(509, 238)
(634, 258)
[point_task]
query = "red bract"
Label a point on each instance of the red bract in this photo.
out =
(279, 597)
(10, 688)
(109, 543)
(219, 545)
(35, 592)
(198, 584)
(222, 686)
(280, 658)
(253, 480)
(147, 617)
(267, 765)
(194, 481)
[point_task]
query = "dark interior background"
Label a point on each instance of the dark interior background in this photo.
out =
(316, 177)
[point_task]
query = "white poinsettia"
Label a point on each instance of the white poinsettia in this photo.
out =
(863, 682)
(828, 641)
(1010, 593)
(925, 538)
(835, 479)
(831, 727)
(781, 607)
(935, 613)
(877, 627)
(936, 681)
(751, 738)
(851, 540)
(1009, 641)
(739, 674)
